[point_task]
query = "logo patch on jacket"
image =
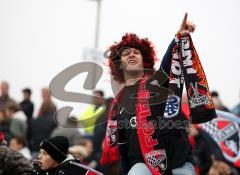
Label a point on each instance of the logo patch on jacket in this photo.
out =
(198, 95)
(157, 159)
(172, 106)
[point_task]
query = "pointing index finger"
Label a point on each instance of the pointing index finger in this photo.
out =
(185, 19)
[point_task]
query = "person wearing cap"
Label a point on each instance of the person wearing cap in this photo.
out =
(54, 159)
(12, 162)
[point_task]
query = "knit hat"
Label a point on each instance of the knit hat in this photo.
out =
(56, 147)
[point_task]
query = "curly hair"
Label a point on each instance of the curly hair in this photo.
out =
(131, 40)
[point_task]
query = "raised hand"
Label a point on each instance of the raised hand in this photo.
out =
(186, 27)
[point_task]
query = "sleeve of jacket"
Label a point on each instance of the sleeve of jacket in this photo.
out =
(167, 58)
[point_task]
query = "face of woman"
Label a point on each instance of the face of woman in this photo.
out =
(46, 161)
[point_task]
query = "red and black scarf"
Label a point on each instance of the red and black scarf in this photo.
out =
(185, 67)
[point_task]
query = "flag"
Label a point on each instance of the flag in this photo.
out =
(225, 131)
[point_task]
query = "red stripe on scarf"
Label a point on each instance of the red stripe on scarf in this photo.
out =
(145, 128)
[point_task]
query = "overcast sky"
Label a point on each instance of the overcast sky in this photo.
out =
(38, 39)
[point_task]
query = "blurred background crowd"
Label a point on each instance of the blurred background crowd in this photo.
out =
(24, 131)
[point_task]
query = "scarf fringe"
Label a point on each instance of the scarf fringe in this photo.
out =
(109, 156)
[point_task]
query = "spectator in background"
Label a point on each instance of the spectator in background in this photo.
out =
(26, 105)
(5, 99)
(92, 113)
(88, 145)
(12, 162)
(83, 151)
(5, 125)
(79, 152)
(207, 154)
(18, 120)
(54, 159)
(200, 149)
(88, 159)
(69, 130)
(41, 127)
(46, 98)
(219, 167)
(19, 144)
(217, 102)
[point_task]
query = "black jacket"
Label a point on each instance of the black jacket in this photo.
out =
(13, 162)
(27, 107)
(69, 167)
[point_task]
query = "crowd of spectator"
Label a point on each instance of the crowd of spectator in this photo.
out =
(25, 132)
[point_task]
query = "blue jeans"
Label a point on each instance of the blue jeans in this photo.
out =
(142, 169)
